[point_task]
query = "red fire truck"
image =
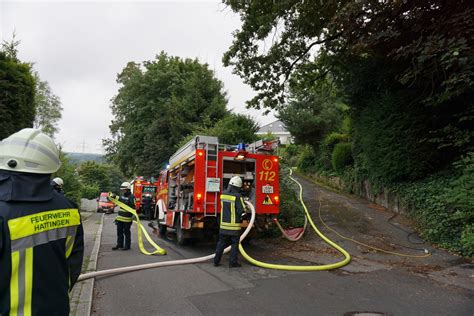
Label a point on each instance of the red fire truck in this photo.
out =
(142, 187)
(188, 191)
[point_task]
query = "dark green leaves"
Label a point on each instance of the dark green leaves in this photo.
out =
(160, 102)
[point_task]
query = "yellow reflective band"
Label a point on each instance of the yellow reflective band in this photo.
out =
(126, 208)
(124, 219)
(232, 213)
(40, 222)
(225, 227)
(28, 281)
(69, 244)
(14, 290)
(231, 224)
(227, 197)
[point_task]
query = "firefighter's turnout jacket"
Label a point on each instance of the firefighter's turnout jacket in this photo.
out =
(124, 216)
(41, 246)
(232, 208)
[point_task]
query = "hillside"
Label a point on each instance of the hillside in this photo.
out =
(80, 157)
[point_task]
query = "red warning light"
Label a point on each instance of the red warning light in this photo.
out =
(277, 199)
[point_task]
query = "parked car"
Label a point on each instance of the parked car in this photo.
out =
(104, 205)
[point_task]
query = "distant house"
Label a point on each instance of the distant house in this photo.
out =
(277, 129)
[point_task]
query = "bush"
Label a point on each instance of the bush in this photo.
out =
(341, 156)
(467, 240)
(291, 210)
(443, 206)
(307, 160)
(390, 141)
(90, 191)
(67, 172)
(333, 139)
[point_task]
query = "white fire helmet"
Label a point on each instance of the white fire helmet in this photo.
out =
(125, 186)
(31, 151)
(58, 181)
(236, 181)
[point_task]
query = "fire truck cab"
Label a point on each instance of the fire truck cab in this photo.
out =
(188, 190)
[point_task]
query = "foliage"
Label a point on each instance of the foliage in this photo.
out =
(467, 240)
(390, 142)
(158, 103)
(415, 56)
(48, 107)
(106, 177)
(232, 129)
(463, 197)
(67, 172)
(341, 156)
(428, 41)
(17, 88)
(291, 210)
(444, 207)
(334, 138)
(78, 158)
(406, 71)
(90, 172)
(307, 160)
(90, 191)
(312, 114)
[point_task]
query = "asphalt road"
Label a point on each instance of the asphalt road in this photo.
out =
(373, 282)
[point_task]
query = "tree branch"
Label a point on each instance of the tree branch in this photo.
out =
(287, 75)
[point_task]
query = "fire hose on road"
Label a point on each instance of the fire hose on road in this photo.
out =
(159, 250)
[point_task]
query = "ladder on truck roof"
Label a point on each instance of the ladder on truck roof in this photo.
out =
(188, 151)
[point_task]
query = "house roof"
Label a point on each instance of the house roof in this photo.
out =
(276, 127)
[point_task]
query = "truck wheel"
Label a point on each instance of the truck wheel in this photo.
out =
(179, 232)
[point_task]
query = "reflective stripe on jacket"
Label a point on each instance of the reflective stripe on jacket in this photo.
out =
(124, 216)
(41, 250)
(232, 208)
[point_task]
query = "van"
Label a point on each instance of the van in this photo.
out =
(104, 205)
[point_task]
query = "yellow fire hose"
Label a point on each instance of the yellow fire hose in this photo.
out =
(158, 249)
(86, 276)
(209, 257)
(347, 257)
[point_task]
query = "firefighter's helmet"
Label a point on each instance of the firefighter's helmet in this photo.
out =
(58, 181)
(31, 151)
(236, 181)
(125, 186)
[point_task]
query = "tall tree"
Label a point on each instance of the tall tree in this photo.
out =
(409, 63)
(313, 112)
(232, 129)
(158, 103)
(17, 91)
(48, 107)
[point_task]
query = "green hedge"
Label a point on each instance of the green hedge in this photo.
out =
(341, 156)
(443, 206)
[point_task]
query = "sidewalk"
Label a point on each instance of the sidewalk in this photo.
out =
(81, 295)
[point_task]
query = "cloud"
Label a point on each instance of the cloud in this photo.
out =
(79, 47)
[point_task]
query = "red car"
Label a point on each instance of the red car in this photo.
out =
(104, 205)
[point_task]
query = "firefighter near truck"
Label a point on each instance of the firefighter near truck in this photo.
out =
(144, 192)
(188, 190)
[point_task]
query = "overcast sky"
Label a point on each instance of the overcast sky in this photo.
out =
(79, 47)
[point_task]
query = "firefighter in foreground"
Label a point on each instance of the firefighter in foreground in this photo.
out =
(124, 218)
(41, 235)
(232, 209)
